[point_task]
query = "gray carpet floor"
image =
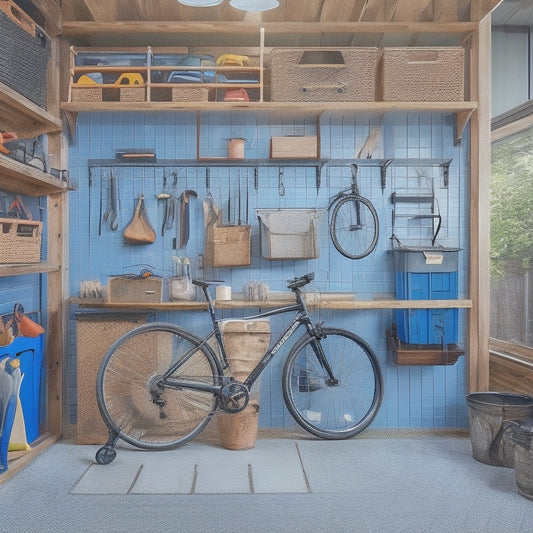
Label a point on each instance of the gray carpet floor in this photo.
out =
(382, 482)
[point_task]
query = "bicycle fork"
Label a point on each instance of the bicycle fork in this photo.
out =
(318, 334)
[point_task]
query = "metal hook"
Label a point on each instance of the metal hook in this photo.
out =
(281, 185)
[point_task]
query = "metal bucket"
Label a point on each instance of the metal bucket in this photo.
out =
(487, 413)
(522, 437)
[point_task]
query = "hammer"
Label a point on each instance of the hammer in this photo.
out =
(184, 216)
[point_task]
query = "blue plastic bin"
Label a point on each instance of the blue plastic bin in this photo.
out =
(426, 274)
(29, 351)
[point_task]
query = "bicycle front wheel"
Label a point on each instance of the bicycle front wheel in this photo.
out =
(337, 408)
(354, 227)
(130, 397)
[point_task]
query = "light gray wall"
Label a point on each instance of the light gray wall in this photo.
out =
(511, 67)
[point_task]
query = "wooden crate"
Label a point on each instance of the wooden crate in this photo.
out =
(422, 74)
(227, 245)
(294, 147)
(20, 240)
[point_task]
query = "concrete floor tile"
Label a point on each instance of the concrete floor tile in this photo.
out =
(115, 478)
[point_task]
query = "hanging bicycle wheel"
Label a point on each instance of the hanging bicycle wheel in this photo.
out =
(337, 408)
(130, 397)
(354, 227)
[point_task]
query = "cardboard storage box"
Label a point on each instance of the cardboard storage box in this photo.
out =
(126, 289)
(294, 147)
(227, 245)
(288, 233)
(324, 74)
(422, 74)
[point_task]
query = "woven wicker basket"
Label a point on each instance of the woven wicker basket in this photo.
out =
(190, 94)
(95, 333)
(132, 94)
(20, 240)
(323, 74)
(24, 59)
(86, 94)
(422, 74)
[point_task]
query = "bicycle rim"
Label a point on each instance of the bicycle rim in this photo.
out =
(333, 411)
(127, 387)
(354, 227)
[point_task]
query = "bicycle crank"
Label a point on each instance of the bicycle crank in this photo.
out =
(234, 397)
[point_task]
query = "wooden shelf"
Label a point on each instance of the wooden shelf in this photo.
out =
(462, 110)
(15, 177)
(268, 304)
(27, 268)
(22, 116)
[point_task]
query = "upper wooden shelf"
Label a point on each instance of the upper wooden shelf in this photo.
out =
(22, 116)
(18, 178)
(462, 110)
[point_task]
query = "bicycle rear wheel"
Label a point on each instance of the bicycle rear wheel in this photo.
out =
(338, 409)
(354, 227)
(136, 407)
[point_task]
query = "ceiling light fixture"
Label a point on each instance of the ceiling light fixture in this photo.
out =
(254, 5)
(200, 3)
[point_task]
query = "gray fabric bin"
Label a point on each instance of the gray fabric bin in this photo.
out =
(288, 233)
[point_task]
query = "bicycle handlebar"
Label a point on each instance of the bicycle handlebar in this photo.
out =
(296, 283)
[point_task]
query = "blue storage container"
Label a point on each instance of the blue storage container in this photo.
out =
(9, 383)
(426, 274)
(30, 352)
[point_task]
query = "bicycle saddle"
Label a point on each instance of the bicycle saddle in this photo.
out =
(206, 282)
(296, 283)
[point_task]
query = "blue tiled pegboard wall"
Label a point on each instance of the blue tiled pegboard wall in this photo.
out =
(414, 396)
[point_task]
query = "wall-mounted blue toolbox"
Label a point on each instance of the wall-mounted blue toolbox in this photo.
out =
(29, 351)
(426, 273)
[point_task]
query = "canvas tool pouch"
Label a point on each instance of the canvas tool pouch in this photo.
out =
(139, 230)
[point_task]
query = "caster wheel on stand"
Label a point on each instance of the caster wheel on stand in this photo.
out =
(105, 455)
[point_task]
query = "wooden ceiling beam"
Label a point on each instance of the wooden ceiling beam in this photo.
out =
(84, 28)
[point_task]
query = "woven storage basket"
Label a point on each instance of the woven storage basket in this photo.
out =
(323, 74)
(86, 94)
(24, 59)
(95, 333)
(132, 94)
(422, 74)
(20, 240)
(190, 94)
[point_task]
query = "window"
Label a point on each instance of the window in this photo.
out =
(512, 242)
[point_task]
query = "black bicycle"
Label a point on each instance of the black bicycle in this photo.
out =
(159, 385)
(354, 223)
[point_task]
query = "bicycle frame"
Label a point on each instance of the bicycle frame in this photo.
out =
(301, 318)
